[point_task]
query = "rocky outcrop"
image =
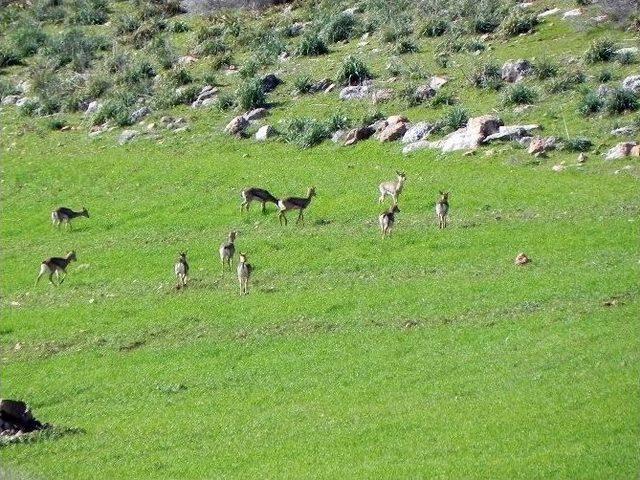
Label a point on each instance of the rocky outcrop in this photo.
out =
(548, 13)
(206, 97)
(511, 132)
(139, 114)
(237, 126)
(127, 135)
(393, 131)
(270, 82)
(632, 83)
(382, 95)
(540, 145)
(256, 114)
(356, 92)
(514, 71)
(624, 149)
(417, 132)
(424, 92)
(357, 134)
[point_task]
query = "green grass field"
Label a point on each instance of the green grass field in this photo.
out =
(425, 355)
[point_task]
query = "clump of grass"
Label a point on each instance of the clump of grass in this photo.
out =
(178, 77)
(211, 46)
(455, 118)
(250, 94)
(604, 76)
(405, 45)
(545, 68)
(578, 144)
(267, 46)
(117, 108)
(567, 82)
(408, 95)
(126, 24)
(352, 71)
(57, 123)
(621, 100)
(305, 132)
(339, 27)
(249, 69)
(222, 60)
(487, 76)
(89, 12)
(9, 56)
(601, 50)
(338, 121)
(518, 23)
(433, 27)
(6, 88)
(519, 94)
(443, 98)
(225, 102)
(27, 38)
(626, 58)
(312, 45)
(179, 27)
(74, 47)
(302, 84)
(591, 103)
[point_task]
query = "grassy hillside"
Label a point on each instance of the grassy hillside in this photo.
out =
(425, 355)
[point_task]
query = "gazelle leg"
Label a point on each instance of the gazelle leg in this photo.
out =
(264, 207)
(42, 272)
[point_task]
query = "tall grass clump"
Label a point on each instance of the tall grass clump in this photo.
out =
(518, 23)
(621, 100)
(545, 68)
(601, 50)
(590, 103)
(433, 27)
(305, 132)
(88, 12)
(339, 27)
(519, 94)
(74, 47)
(312, 45)
(250, 94)
(455, 118)
(27, 38)
(302, 84)
(352, 71)
(488, 76)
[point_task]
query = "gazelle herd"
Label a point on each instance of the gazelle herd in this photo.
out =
(57, 265)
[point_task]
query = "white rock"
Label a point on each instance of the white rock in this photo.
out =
(126, 136)
(256, 114)
(264, 132)
(628, 51)
(419, 145)
(10, 99)
(357, 92)
(437, 82)
(92, 108)
(572, 13)
(417, 132)
(632, 83)
(547, 13)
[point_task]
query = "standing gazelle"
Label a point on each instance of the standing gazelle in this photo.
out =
(295, 203)
(227, 251)
(387, 219)
(442, 209)
(181, 269)
(393, 189)
(244, 273)
(65, 215)
(258, 194)
(56, 265)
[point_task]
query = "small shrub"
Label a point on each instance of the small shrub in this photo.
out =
(620, 101)
(518, 23)
(626, 58)
(137, 73)
(305, 132)
(222, 60)
(338, 121)
(179, 27)
(163, 51)
(211, 46)
(579, 144)
(178, 77)
(126, 24)
(117, 108)
(6, 88)
(602, 50)
(352, 71)
(371, 117)
(488, 76)
(312, 45)
(249, 69)
(267, 46)
(519, 94)
(408, 95)
(433, 27)
(405, 45)
(545, 68)
(302, 84)
(567, 82)
(9, 56)
(57, 123)
(186, 94)
(442, 59)
(474, 46)
(604, 76)
(591, 103)
(74, 47)
(250, 94)
(29, 108)
(455, 118)
(89, 12)
(225, 102)
(339, 27)
(487, 23)
(443, 98)
(27, 39)
(96, 86)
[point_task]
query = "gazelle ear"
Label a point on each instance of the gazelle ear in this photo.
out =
(441, 192)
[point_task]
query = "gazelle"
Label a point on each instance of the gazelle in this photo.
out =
(393, 189)
(295, 203)
(387, 219)
(442, 209)
(227, 251)
(181, 269)
(258, 194)
(65, 215)
(244, 273)
(56, 265)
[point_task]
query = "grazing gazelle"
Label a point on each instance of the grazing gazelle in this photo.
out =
(244, 273)
(393, 189)
(65, 215)
(181, 269)
(227, 251)
(258, 194)
(295, 203)
(442, 209)
(56, 265)
(387, 219)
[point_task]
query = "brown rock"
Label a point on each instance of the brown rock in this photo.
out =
(522, 259)
(635, 151)
(357, 134)
(392, 132)
(397, 119)
(237, 125)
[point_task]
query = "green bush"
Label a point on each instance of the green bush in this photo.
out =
(249, 69)
(433, 27)
(545, 68)
(352, 71)
(312, 45)
(57, 123)
(178, 77)
(443, 98)
(408, 95)
(27, 39)
(339, 27)
(405, 45)
(455, 118)
(29, 108)
(9, 56)
(579, 144)
(602, 50)
(6, 88)
(89, 12)
(338, 121)
(117, 108)
(250, 94)
(179, 27)
(591, 103)
(488, 76)
(74, 47)
(567, 82)
(212, 46)
(221, 60)
(267, 46)
(225, 102)
(126, 24)
(518, 23)
(162, 50)
(604, 76)
(302, 84)
(519, 94)
(305, 132)
(626, 58)
(621, 100)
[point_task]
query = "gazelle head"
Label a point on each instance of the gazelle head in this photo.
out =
(243, 257)
(444, 196)
(312, 192)
(183, 255)
(401, 176)
(395, 209)
(71, 256)
(85, 212)
(232, 235)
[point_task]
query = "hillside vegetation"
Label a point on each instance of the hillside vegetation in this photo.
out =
(427, 354)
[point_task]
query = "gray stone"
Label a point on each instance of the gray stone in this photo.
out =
(10, 99)
(126, 136)
(572, 13)
(139, 114)
(515, 71)
(237, 125)
(511, 132)
(21, 101)
(624, 131)
(632, 83)
(621, 150)
(437, 82)
(392, 132)
(417, 132)
(356, 92)
(357, 134)
(424, 92)
(382, 95)
(92, 108)
(338, 136)
(264, 132)
(256, 114)
(628, 51)
(547, 13)
(419, 145)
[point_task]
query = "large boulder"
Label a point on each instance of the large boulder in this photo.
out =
(419, 145)
(256, 114)
(237, 125)
(206, 96)
(424, 92)
(357, 134)
(437, 82)
(511, 132)
(621, 150)
(382, 95)
(265, 132)
(417, 132)
(356, 92)
(393, 131)
(484, 126)
(514, 71)
(465, 138)
(540, 145)
(10, 99)
(632, 83)
(139, 114)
